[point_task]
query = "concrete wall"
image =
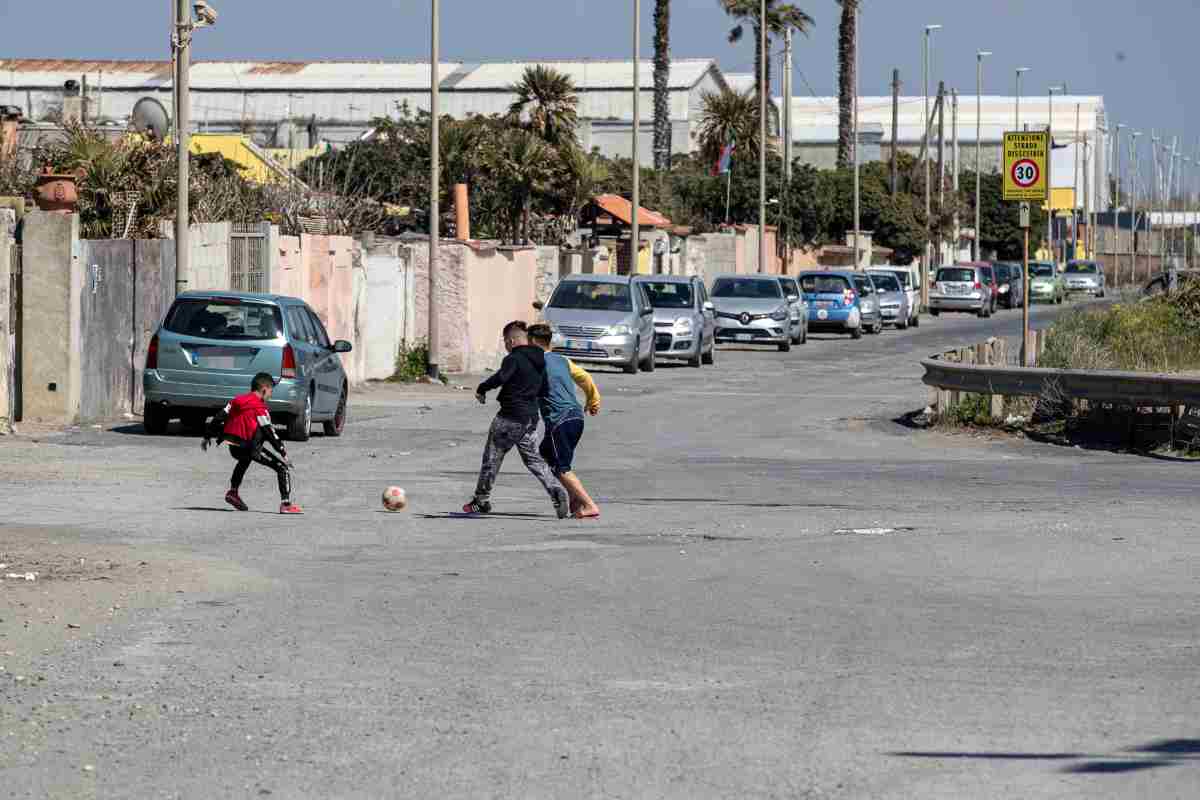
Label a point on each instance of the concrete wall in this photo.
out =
(391, 312)
(8, 252)
(501, 286)
(51, 284)
(451, 300)
(208, 246)
(550, 267)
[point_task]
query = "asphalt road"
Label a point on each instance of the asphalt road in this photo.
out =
(789, 594)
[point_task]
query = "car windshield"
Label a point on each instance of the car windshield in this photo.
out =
(862, 284)
(960, 274)
(885, 282)
(747, 288)
(1081, 268)
(670, 295)
(1041, 270)
(1001, 272)
(903, 277)
(590, 296)
(224, 319)
(789, 286)
(824, 284)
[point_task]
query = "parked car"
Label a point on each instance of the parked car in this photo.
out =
(868, 297)
(752, 309)
(893, 301)
(1085, 277)
(910, 280)
(603, 319)
(1045, 283)
(960, 288)
(791, 290)
(684, 322)
(989, 280)
(1010, 284)
(834, 302)
(212, 344)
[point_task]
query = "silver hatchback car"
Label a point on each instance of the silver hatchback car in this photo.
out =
(602, 319)
(683, 317)
(754, 310)
(212, 344)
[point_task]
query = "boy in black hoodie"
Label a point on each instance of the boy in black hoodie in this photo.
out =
(520, 382)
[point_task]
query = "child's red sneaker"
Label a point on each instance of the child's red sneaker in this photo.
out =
(235, 500)
(290, 508)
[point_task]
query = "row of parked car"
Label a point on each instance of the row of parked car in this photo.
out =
(632, 322)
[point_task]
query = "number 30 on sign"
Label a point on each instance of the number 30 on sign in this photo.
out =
(1026, 165)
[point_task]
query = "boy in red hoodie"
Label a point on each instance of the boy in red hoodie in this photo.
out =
(246, 424)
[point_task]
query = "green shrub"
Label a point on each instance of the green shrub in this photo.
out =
(971, 410)
(412, 362)
(1158, 335)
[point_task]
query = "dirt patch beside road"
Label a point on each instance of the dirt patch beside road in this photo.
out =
(55, 589)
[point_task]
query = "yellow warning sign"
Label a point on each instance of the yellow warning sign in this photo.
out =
(1027, 165)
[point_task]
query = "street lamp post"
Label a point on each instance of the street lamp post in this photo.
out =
(434, 188)
(762, 138)
(1020, 71)
(1116, 198)
(929, 29)
(1050, 129)
(857, 196)
(1136, 169)
(978, 144)
(634, 233)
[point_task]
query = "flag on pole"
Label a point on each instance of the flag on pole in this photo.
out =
(725, 162)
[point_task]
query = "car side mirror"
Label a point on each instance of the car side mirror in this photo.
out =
(538, 305)
(342, 346)
(708, 306)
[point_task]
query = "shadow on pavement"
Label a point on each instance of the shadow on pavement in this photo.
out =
(1160, 753)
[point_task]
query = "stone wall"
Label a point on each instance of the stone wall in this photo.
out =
(52, 282)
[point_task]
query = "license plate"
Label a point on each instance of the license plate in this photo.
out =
(822, 314)
(744, 337)
(569, 344)
(889, 313)
(824, 303)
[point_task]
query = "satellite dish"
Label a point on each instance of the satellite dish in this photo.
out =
(149, 117)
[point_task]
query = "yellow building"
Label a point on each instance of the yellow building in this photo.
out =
(259, 164)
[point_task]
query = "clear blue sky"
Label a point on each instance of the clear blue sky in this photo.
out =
(1135, 54)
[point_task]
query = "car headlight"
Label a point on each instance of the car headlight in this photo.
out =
(683, 324)
(1003, 290)
(779, 314)
(868, 305)
(620, 330)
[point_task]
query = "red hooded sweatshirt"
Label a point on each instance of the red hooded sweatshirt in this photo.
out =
(245, 414)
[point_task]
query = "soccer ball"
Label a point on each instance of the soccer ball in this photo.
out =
(394, 499)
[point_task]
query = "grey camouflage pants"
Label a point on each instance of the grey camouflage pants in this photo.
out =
(504, 435)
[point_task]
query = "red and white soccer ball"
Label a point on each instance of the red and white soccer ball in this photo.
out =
(394, 499)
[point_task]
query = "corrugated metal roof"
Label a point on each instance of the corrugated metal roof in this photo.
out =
(587, 75)
(741, 81)
(52, 73)
(326, 75)
(622, 209)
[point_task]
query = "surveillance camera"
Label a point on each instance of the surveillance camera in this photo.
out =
(205, 14)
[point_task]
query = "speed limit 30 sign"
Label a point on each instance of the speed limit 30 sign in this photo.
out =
(1026, 165)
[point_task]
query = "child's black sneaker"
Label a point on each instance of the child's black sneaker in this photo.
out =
(478, 507)
(234, 500)
(562, 502)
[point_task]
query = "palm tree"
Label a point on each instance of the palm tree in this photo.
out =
(780, 17)
(522, 163)
(662, 74)
(728, 116)
(546, 100)
(846, 61)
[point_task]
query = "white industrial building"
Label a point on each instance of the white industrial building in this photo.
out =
(344, 97)
(815, 134)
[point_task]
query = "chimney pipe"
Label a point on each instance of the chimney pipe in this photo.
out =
(462, 212)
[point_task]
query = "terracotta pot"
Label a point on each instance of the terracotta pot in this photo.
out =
(56, 193)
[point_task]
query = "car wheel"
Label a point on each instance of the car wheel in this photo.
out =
(649, 363)
(804, 334)
(982, 312)
(335, 426)
(632, 367)
(195, 422)
(155, 419)
(916, 321)
(856, 333)
(933, 312)
(709, 357)
(902, 325)
(300, 424)
(786, 347)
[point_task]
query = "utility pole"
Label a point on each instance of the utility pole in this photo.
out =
(857, 193)
(1116, 201)
(941, 114)
(925, 262)
(182, 46)
(1088, 251)
(1136, 169)
(635, 234)
(1154, 139)
(1020, 71)
(435, 176)
(895, 181)
(763, 94)
(982, 54)
(787, 106)
(954, 151)
(1075, 191)
(1050, 128)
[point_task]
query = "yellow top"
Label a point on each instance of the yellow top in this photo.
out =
(584, 381)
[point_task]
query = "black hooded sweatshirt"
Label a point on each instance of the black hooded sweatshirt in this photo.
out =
(520, 381)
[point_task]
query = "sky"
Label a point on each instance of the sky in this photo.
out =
(1134, 54)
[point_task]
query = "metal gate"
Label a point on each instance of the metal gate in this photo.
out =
(249, 261)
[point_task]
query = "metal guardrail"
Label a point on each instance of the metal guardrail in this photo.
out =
(1130, 388)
